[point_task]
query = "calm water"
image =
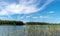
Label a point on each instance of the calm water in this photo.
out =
(28, 31)
(12, 30)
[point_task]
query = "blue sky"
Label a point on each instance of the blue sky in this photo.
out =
(30, 10)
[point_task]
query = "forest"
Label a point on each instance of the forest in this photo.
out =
(11, 22)
(14, 22)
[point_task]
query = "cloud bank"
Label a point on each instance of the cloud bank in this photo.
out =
(23, 7)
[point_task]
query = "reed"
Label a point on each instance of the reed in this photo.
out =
(35, 30)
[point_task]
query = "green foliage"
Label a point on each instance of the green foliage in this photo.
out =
(35, 23)
(41, 23)
(38, 23)
(11, 22)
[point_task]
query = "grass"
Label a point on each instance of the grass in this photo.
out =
(43, 30)
(38, 30)
(32, 28)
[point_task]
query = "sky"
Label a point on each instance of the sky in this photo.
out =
(30, 10)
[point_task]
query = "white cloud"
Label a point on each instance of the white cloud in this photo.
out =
(28, 16)
(51, 12)
(35, 17)
(43, 16)
(24, 7)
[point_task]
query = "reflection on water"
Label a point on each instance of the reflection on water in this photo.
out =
(11, 30)
(29, 30)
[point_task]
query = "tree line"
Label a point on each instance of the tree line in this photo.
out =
(14, 22)
(40, 23)
(11, 22)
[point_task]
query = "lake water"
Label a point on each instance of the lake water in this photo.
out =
(28, 31)
(12, 30)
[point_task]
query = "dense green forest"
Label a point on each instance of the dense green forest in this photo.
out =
(14, 22)
(36, 23)
(11, 22)
(40, 23)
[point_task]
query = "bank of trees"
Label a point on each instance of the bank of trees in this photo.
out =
(11, 22)
(36, 23)
(14, 22)
(39, 23)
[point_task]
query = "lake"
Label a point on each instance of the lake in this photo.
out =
(11, 30)
(30, 30)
